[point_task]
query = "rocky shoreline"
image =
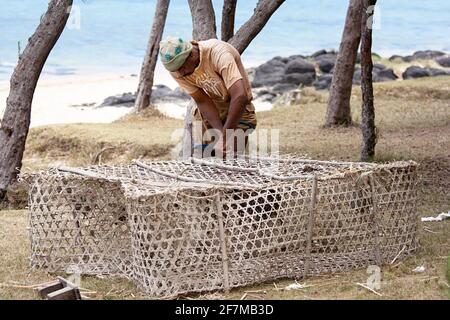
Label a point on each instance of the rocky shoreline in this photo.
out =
(282, 75)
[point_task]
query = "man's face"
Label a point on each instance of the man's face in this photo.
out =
(189, 65)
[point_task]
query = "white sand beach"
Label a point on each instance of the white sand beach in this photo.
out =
(75, 98)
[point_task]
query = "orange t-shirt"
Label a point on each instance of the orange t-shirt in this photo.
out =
(219, 68)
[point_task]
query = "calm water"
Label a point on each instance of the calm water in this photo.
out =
(112, 34)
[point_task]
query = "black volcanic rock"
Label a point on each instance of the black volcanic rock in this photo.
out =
(319, 53)
(126, 99)
(357, 76)
(284, 87)
(326, 65)
(385, 75)
(438, 72)
(427, 55)
(416, 72)
(305, 79)
(269, 73)
(379, 66)
(419, 55)
(444, 61)
(378, 75)
(160, 93)
(300, 65)
(323, 82)
(396, 57)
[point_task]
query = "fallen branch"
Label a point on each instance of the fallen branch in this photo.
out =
(257, 291)
(96, 159)
(188, 179)
(398, 255)
(256, 296)
(431, 231)
(17, 286)
(369, 288)
(428, 279)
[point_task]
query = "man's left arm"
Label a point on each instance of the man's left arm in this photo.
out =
(239, 100)
(233, 79)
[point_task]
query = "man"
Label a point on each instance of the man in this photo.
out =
(212, 73)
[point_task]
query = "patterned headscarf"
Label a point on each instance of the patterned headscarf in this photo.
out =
(174, 52)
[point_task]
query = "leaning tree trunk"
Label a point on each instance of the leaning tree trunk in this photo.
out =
(368, 110)
(338, 110)
(203, 28)
(203, 20)
(144, 92)
(245, 35)
(16, 119)
(228, 18)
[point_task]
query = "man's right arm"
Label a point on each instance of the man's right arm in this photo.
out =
(207, 109)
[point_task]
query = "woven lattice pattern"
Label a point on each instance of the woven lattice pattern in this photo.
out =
(193, 226)
(73, 222)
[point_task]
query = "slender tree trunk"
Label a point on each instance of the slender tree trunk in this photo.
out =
(228, 18)
(16, 119)
(144, 92)
(368, 110)
(203, 28)
(245, 35)
(338, 110)
(203, 20)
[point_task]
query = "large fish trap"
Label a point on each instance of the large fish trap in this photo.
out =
(179, 227)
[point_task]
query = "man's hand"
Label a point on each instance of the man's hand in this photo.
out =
(208, 109)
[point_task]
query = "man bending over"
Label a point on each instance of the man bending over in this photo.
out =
(212, 73)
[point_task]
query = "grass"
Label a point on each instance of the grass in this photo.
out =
(413, 118)
(147, 135)
(448, 269)
(16, 275)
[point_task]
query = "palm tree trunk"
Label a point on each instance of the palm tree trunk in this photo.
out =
(338, 110)
(16, 119)
(228, 18)
(203, 20)
(245, 35)
(368, 109)
(144, 92)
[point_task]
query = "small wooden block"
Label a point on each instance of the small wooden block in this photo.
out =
(60, 289)
(66, 293)
(49, 287)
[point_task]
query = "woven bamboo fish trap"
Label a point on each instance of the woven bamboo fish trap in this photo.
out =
(179, 227)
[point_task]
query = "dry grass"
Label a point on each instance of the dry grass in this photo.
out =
(16, 275)
(399, 282)
(413, 118)
(147, 135)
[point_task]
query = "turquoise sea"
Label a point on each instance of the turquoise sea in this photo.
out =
(107, 36)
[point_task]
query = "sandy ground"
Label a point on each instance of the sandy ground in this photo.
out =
(73, 99)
